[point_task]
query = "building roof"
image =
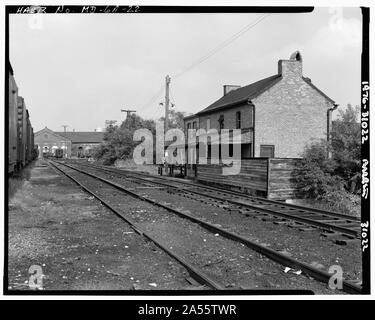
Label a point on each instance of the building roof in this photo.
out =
(242, 94)
(83, 137)
(190, 116)
(308, 81)
(49, 131)
(249, 92)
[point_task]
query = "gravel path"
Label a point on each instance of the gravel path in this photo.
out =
(307, 246)
(231, 263)
(78, 243)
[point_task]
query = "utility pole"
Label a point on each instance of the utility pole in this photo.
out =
(128, 112)
(166, 104)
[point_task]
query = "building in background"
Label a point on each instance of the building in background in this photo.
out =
(73, 143)
(82, 142)
(278, 116)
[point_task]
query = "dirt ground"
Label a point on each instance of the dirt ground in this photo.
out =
(75, 243)
(307, 246)
(228, 262)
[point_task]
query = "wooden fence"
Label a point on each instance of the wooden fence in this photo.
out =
(272, 178)
(282, 179)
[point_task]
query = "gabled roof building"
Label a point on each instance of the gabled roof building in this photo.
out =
(278, 116)
(73, 143)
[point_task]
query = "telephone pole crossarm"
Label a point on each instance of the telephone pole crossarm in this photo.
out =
(128, 112)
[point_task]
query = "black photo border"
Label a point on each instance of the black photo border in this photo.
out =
(90, 9)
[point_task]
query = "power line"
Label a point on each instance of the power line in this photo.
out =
(154, 97)
(208, 55)
(156, 113)
(223, 44)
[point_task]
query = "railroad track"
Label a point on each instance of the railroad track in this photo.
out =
(342, 228)
(285, 260)
(197, 274)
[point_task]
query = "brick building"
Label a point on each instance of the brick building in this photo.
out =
(278, 116)
(74, 144)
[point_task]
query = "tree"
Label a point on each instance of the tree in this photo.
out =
(176, 119)
(321, 177)
(316, 172)
(346, 145)
(118, 141)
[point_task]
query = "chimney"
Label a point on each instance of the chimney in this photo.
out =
(291, 67)
(228, 88)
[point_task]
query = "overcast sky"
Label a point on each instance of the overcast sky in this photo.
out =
(80, 70)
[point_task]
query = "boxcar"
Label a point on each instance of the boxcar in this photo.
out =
(22, 133)
(34, 150)
(29, 139)
(21, 149)
(13, 125)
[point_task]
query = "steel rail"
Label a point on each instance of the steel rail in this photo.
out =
(237, 194)
(195, 272)
(309, 221)
(268, 252)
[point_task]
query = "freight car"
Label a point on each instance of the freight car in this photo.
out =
(22, 133)
(13, 127)
(21, 148)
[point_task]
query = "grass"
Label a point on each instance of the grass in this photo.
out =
(350, 205)
(130, 164)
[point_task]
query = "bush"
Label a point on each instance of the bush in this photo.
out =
(335, 180)
(343, 201)
(105, 154)
(316, 175)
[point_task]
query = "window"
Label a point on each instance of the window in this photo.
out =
(208, 124)
(194, 125)
(238, 120)
(188, 125)
(246, 150)
(221, 122)
(267, 151)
